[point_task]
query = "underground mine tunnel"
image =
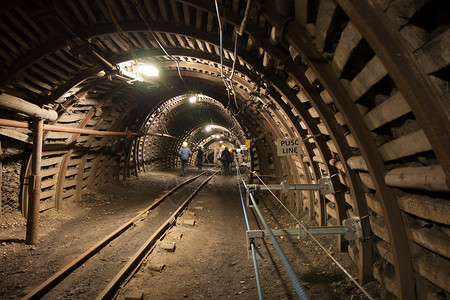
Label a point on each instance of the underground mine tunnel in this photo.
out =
(104, 92)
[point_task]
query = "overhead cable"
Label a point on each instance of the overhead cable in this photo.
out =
(141, 15)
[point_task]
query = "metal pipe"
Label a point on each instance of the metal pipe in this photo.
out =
(246, 15)
(34, 182)
(11, 123)
(17, 124)
(297, 285)
(87, 131)
(292, 186)
(19, 105)
(252, 244)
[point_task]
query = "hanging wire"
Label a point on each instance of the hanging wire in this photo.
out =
(120, 31)
(141, 15)
(317, 242)
(228, 81)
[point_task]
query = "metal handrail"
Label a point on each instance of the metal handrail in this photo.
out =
(252, 243)
(301, 292)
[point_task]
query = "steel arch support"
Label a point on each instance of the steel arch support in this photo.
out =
(402, 66)
(298, 37)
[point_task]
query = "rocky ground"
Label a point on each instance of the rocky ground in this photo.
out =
(210, 260)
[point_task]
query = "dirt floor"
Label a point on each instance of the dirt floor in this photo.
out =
(210, 260)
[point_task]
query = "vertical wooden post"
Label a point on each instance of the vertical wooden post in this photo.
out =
(1, 176)
(34, 182)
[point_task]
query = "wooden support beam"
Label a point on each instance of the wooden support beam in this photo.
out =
(34, 181)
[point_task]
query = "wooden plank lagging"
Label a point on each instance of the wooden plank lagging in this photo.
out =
(345, 104)
(74, 9)
(120, 44)
(21, 63)
(434, 268)
(133, 41)
(407, 145)
(324, 22)
(12, 38)
(109, 43)
(65, 160)
(325, 156)
(312, 129)
(198, 19)
(101, 7)
(118, 13)
(33, 39)
(46, 64)
(88, 11)
(57, 61)
(54, 80)
(142, 42)
(175, 11)
(172, 41)
(186, 15)
(370, 75)
(426, 55)
(88, 144)
(38, 82)
(392, 108)
(339, 146)
(32, 88)
(57, 94)
(274, 129)
(164, 10)
(210, 22)
(129, 7)
(104, 141)
(406, 73)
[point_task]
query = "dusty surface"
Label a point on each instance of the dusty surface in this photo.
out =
(210, 260)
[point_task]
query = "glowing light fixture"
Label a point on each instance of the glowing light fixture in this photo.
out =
(193, 98)
(148, 70)
(208, 128)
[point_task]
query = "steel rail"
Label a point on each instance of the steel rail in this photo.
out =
(136, 260)
(54, 280)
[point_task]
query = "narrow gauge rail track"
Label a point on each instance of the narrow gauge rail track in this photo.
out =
(121, 252)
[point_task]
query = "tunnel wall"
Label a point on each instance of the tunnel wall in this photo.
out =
(367, 93)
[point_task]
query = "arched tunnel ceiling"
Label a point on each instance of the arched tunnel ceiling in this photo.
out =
(348, 77)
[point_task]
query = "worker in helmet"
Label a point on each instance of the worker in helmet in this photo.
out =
(226, 159)
(184, 153)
